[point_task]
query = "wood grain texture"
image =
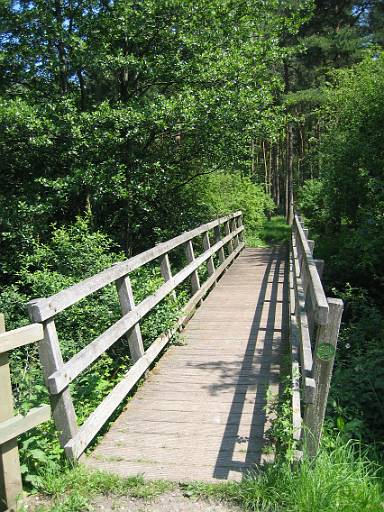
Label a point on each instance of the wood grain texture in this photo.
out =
(10, 475)
(200, 413)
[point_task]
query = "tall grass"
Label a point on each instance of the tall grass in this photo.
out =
(341, 480)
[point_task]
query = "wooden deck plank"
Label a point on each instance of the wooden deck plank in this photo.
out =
(210, 391)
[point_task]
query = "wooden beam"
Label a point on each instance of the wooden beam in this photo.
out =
(227, 231)
(189, 252)
(20, 337)
(11, 486)
(17, 425)
(325, 351)
(51, 360)
(166, 272)
(207, 246)
(221, 254)
(127, 304)
(315, 287)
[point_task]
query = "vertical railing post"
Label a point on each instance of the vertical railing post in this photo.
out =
(324, 357)
(227, 231)
(166, 272)
(195, 281)
(221, 253)
(127, 304)
(207, 246)
(10, 476)
(233, 228)
(51, 360)
(239, 225)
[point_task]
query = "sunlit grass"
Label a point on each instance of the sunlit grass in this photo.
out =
(274, 231)
(341, 480)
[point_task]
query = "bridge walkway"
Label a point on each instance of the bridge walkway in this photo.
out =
(200, 413)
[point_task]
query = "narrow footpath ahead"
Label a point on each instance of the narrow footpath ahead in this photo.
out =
(200, 413)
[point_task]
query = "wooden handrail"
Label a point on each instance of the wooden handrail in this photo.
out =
(72, 368)
(314, 326)
(59, 374)
(12, 426)
(308, 265)
(43, 309)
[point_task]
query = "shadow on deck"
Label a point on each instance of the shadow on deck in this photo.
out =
(200, 415)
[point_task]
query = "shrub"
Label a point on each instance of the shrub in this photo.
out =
(222, 193)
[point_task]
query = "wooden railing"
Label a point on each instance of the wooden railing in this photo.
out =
(314, 327)
(12, 426)
(59, 374)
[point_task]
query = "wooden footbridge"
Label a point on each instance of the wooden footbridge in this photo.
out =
(200, 413)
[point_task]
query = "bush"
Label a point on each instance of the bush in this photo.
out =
(222, 193)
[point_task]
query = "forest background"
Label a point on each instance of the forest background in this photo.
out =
(124, 123)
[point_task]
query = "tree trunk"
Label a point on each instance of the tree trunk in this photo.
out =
(289, 177)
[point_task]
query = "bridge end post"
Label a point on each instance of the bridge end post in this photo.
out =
(324, 358)
(10, 476)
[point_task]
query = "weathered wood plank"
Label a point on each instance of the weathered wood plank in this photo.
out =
(127, 304)
(51, 359)
(315, 286)
(10, 474)
(325, 351)
(166, 272)
(14, 427)
(189, 252)
(207, 246)
(10, 340)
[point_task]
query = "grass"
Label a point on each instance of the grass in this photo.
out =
(274, 231)
(73, 489)
(341, 480)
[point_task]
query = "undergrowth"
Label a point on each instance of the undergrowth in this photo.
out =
(342, 479)
(273, 231)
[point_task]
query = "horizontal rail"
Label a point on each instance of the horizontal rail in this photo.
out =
(14, 427)
(295, 361)
(48, 307)
(77, 364)
(315, 287)
(10, 340)
(76, 446)
(301, 314)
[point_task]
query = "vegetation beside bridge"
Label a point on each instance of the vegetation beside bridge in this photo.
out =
(123, 124)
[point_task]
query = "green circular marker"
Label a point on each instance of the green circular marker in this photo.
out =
(325, 351)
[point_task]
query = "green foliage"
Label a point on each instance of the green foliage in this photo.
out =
(356, 408)
(311, 201)
(345, 208)
(114, 107)
(274, 231)
(280, 433)
(342, 479)
(222, 193)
